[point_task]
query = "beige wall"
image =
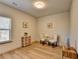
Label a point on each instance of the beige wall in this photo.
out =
(17, 30)
(74, 24)
(60, 26)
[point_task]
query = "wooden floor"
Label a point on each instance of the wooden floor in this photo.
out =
(35, 51)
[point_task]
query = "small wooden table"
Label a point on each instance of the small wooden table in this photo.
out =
(70, 53)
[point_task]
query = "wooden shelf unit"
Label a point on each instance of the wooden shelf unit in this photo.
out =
(70, 53)
(26, 41)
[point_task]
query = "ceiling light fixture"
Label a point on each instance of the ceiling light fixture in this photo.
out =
(39, 4)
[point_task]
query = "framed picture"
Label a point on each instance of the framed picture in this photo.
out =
(50, 25)
(25, 25)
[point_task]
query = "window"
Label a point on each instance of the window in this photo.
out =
(5, 29)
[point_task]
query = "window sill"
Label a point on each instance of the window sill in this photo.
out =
(5, 42)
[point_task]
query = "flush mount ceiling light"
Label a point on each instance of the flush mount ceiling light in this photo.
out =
(39, 3)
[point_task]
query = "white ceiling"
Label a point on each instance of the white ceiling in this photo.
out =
(53, 6)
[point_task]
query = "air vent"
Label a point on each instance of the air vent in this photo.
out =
(14, 3)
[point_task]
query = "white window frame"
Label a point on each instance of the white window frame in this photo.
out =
(4, 29)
